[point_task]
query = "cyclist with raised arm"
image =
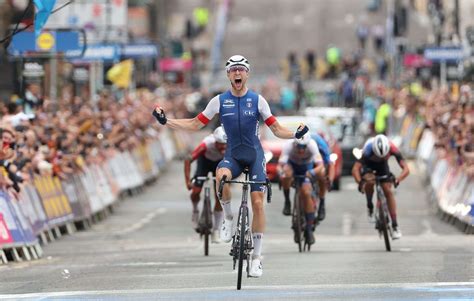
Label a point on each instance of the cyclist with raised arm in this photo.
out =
(208, 154)
(375, 155)
(239, 110)
(301, 157)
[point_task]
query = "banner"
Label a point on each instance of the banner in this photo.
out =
(55, 203)
(5, 235)
(142, 156)
(91, 190)
(26, 231)
(30, 205)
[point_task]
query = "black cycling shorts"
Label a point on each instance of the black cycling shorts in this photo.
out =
(380, 168)
(204, 166)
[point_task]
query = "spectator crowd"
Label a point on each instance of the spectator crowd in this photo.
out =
(451, 119)
(61, 138)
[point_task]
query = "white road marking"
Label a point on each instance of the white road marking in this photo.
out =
(138, 225)
(346, 224)
(230, 288)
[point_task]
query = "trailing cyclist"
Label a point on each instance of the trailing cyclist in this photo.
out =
(239, 110)
(374, 158)
(208, 154)
(326, 178)
(301, 157)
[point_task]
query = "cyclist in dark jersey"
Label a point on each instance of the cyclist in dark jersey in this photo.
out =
(375, 157)
(239, 110)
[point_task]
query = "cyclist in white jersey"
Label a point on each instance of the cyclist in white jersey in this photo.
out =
(301, 157)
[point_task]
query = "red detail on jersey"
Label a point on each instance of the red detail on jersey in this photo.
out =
(203, 119)
(199, 151)
(393, 149)
(270, 120)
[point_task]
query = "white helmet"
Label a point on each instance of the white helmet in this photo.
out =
(381, 146)
(220, 135)
(304, 141)
(237, 60)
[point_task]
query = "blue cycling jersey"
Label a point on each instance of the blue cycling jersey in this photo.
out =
(239, 116)
(323, 148)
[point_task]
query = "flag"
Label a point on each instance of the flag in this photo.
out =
(121, 74)
(43, 10)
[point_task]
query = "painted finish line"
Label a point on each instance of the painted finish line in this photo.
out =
(384, 291)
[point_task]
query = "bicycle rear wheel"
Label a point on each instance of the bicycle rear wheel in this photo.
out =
(241, 226)
(384, 225)
(297, 220)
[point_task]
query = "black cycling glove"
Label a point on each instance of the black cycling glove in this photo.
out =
(160, 117)
(300, 131)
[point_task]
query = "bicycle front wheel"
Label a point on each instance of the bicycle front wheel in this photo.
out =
(243, 223)
(297, 217)
(384, 225)
(207, 221)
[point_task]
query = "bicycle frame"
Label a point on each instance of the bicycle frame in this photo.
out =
(242, 243)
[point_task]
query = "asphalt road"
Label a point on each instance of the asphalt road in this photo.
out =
(147, 250)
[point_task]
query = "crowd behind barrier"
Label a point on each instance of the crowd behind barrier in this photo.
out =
(63, 165)
(49, 207)
(438, 131)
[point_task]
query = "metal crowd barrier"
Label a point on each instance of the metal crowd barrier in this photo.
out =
(48, 208)
(449, 187)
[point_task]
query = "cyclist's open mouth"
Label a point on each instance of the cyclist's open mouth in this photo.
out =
(238, 83)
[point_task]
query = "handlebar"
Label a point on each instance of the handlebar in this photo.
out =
(266, 183)
(390, 176)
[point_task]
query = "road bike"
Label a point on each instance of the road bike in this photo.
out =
(298, 221)
(242, 244)
(382, 217)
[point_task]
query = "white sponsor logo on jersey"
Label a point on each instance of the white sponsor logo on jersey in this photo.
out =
(249, 113)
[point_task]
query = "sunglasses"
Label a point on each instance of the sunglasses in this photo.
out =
(237, 68)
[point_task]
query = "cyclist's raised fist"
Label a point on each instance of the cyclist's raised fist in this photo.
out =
(160, 116)
(301, 130)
